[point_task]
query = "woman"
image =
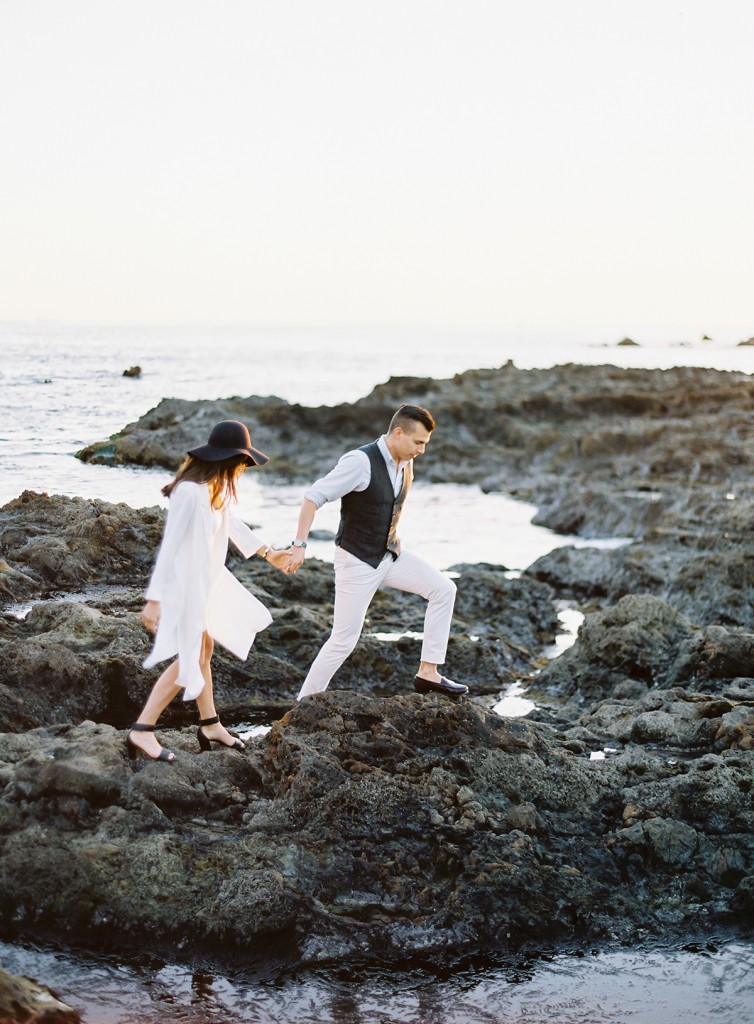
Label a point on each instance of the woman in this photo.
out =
(192, 599)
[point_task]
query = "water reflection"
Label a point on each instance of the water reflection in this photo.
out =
(512, 704)
(248, 732)
(693, 985)
(570, 619)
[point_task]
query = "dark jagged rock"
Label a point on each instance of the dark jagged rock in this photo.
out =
(676, 719)
(164, 435)
(707, 580)
(56, 544)
(513, 426)
(710, 585)
(627, 648)
(642, 643)
(67, 661)
(371, 828)
(492, 604)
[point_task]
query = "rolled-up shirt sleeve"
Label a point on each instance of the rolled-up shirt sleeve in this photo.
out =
(352, 473)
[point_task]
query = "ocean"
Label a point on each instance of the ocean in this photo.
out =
(63, 387)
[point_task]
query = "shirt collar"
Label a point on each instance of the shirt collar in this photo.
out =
(382, 445)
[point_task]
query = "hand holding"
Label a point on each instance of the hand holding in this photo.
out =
(150, 615)
(295, 557)
(279, 559)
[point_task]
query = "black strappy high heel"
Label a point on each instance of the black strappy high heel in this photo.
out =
(205, 742)
(133, 751)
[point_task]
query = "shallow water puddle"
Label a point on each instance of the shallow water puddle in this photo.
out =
(392, 638)
(570, 619)
(21, 609)
(696, 984)
(249, 732)
(513, 703)
(600, 755)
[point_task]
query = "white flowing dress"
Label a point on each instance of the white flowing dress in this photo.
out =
(195, 590)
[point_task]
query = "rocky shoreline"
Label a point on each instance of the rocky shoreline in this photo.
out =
(371, 822)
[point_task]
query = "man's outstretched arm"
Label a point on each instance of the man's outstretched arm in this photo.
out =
(297, 552)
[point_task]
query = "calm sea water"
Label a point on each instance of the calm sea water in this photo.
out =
(62, 387)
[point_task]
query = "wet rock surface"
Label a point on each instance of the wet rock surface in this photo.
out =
(372, 822)
(642, 643)
(50, 544)
(371, 827)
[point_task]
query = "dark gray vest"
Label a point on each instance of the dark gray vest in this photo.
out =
(369, 519)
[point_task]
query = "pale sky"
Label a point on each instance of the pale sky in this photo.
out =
(296, 162)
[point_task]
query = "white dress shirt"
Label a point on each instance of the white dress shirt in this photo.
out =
(353, 472)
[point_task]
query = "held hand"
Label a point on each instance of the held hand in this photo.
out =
(295, 559)
(279, 559)
(150, 615)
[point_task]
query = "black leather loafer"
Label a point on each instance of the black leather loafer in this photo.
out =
(443, 686)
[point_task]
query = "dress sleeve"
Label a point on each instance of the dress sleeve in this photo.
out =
(181, 510)
(244, 539)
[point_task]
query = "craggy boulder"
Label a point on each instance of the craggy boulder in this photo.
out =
(51, 543)
(675, 719)
(640, 646)
(623, 650)
(375, 828)
(67, 661)
(710, 580)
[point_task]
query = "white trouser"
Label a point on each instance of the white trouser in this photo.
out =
(356, 584)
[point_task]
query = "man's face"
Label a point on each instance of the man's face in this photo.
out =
(410, 442)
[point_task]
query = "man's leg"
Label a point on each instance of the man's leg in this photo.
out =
(355, 586)
(411, 573)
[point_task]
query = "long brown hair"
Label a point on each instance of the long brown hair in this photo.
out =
(221, 477)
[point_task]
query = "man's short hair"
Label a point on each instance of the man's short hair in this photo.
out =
(410, 414)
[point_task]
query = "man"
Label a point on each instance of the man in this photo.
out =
(372, 483)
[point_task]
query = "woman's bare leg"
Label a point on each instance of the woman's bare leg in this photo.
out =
(206, 699)
(163, 692)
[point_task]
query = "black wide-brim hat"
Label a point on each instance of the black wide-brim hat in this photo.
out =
(229, 438)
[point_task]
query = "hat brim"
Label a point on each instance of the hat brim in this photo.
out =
(213, 453)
